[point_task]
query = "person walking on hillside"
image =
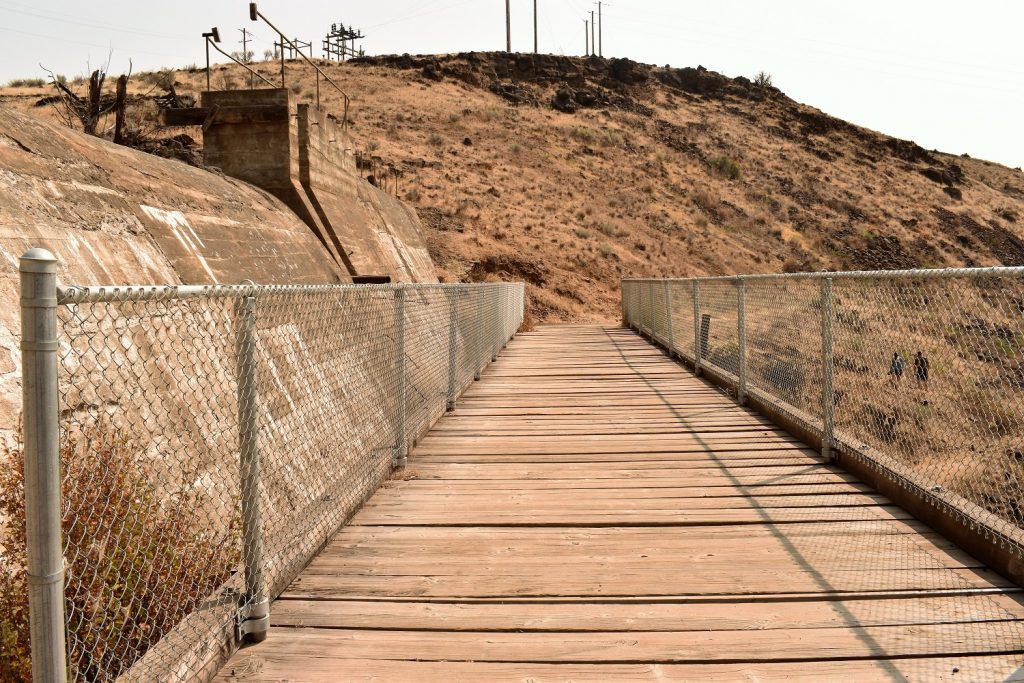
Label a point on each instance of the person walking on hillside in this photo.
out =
(921, 367)
(896, 368)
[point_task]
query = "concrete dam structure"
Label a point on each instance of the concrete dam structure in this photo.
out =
(287, 208)
(303, 156)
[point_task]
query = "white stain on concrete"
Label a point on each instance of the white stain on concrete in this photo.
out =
(179, 225)
(94, 189)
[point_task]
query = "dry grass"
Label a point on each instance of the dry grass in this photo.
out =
(152, 569)
(720, 185)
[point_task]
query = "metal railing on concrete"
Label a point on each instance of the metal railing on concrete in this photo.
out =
(189, 449)
(915, 377)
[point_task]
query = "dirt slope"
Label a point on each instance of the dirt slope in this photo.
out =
(570, 172)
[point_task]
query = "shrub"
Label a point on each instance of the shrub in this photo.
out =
(584, 134)
(151, 570)
(27, 83)
(763, 80)
(609, 229)
(435, 140)
(583, 233)
(488, 114)
(607, 250)
(726, 167)
(162, 78)
(612, 138)
(295, 87)
(1008, 215)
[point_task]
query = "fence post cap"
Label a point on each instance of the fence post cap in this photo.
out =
(38, 260)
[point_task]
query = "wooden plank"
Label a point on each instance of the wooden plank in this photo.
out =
(591, 512)
(774, 645)
(252, 665)
(671, 617)
(718, 580)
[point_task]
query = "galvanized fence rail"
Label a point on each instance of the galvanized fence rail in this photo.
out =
(189, 449)
(917, 375)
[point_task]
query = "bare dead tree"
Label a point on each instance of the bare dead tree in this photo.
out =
(120, 97)
(88, 111)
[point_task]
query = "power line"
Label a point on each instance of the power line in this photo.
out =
(425, 12)
(91, 25)
(85, 44)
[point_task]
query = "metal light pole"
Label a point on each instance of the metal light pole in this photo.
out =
(508, 26)
(215, 34)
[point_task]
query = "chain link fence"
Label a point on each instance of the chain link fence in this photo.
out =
(212, 440)
(918, 375)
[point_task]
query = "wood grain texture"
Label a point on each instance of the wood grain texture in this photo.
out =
(592, 512)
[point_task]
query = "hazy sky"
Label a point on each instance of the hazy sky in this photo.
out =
(949, 75)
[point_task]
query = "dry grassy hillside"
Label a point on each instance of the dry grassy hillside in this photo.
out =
(570, 172)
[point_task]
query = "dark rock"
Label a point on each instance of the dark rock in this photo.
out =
(586, 98)
(564, 100)
(433, 71)
(698, 81)
(953, 192)
(909, 151)
(627, 71)
(945, 175)
(468, 142)
(513, 93)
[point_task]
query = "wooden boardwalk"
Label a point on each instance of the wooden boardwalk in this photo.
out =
(592, 511)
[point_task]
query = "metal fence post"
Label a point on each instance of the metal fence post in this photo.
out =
(41, 427)
(453, 336)
(741, 332)
(696, 328)
(650, 310)
(640, 307)
(628, 305)
(622, 301)
(254, 615)
(669, 322)
(401, 454)
(828, 401)
(496, 309)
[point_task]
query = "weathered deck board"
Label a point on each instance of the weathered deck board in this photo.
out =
(593, 512)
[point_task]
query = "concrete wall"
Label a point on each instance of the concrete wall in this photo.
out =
(305, 159)
(113, 215)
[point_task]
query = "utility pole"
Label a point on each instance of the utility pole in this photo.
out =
(593, 38)
(600, 28)
(534, 26)
(246, 36)
(586, 35)
(508, 26)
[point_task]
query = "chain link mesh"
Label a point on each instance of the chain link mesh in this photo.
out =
(927, 371)
(214, 439)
